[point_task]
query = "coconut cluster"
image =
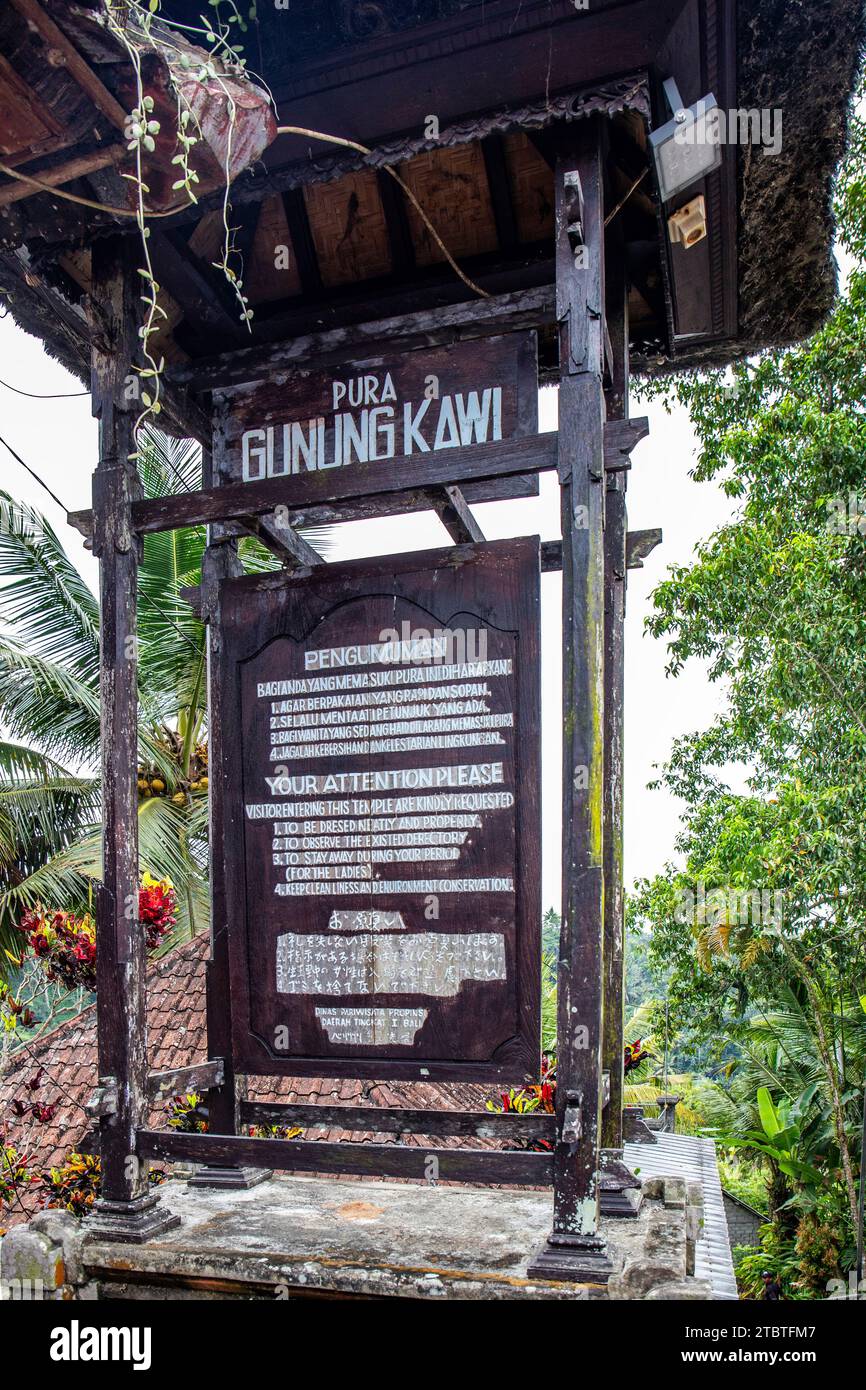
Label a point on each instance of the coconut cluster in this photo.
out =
(152, 779)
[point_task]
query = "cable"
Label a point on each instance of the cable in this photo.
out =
(146, 597)
(162, 613)
(34, 396)
(52, 495)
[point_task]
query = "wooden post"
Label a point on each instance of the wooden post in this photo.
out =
(620, 1189)
(575, 1249)
(128, 1208)
(616, 526)
(220, 561)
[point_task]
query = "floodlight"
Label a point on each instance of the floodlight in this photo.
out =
(688, 146)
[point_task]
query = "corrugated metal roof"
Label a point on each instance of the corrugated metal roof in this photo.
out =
(686, 1156)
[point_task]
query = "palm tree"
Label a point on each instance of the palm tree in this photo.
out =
(50, 832)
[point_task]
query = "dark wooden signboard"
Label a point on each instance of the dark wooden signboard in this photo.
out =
(388, 408)
(381, 825)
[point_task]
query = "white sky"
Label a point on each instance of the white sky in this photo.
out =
(57, 438)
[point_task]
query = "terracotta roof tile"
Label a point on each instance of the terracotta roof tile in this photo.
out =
(177, 1031)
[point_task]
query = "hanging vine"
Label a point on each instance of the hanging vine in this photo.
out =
(138, 28)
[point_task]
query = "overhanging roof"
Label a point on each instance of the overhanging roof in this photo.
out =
(497, 77)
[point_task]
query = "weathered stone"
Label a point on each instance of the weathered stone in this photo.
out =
(687, 1290)
(31, 1265)
(291, 1235)
(694, 1222)
(674, 1192)
(653, 1188)
(63, 1230)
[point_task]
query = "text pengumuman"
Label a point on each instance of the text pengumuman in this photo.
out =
(378, 428)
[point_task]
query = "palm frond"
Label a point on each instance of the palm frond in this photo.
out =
(45, 602)
(45, 701)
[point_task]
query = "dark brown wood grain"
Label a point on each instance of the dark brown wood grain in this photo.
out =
(580, 303)
(364, 339)
(368, 1119)
(489, 1029)
(120, 951)
(201, 1076)
(308, 491)
(374, 392)
(366, 1160)
(615, 577)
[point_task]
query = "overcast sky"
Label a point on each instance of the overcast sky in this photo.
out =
(57, 438)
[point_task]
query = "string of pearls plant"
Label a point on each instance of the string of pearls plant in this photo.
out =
(136, 25)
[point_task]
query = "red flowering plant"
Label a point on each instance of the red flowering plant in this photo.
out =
(66, 944)
(526, 1099)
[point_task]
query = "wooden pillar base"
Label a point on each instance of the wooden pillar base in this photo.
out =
(133, 1222)
(236, 1179)
(580, 1260)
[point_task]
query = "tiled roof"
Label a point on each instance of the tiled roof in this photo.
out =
(177, 1034)
(178, 1037)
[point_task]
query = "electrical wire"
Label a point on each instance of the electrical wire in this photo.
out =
(148, 600)
(28, 469)
(36, 396)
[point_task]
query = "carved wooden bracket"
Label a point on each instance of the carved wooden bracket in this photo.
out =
(640, 544)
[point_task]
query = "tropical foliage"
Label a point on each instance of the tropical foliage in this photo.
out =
(50, 831)
(760, 932)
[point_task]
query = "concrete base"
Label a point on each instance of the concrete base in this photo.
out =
(230, 1179)
(297, 1237)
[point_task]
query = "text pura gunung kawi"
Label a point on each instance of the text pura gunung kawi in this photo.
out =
(414, 403)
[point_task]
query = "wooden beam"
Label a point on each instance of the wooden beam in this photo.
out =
(616, 524)
(575, 1249)
(15, 191)
(620, 437)
(199, 1077)
(75, 65)
(233, 501)
(639, 544)
(522, 1168)
(334, 346)
(219, 562)
(245, 224)
(499, 183)
(186, 413)
(177, 270)
(451, 507)
(127, 1207)
(282, 540)
(368, 1119)
(303, 245)
(507, 488)
(397, 224)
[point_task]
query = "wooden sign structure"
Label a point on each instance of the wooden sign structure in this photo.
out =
(378, 410)
(339, 972)
(381, 831)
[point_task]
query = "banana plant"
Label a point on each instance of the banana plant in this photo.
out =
(781, 1137)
